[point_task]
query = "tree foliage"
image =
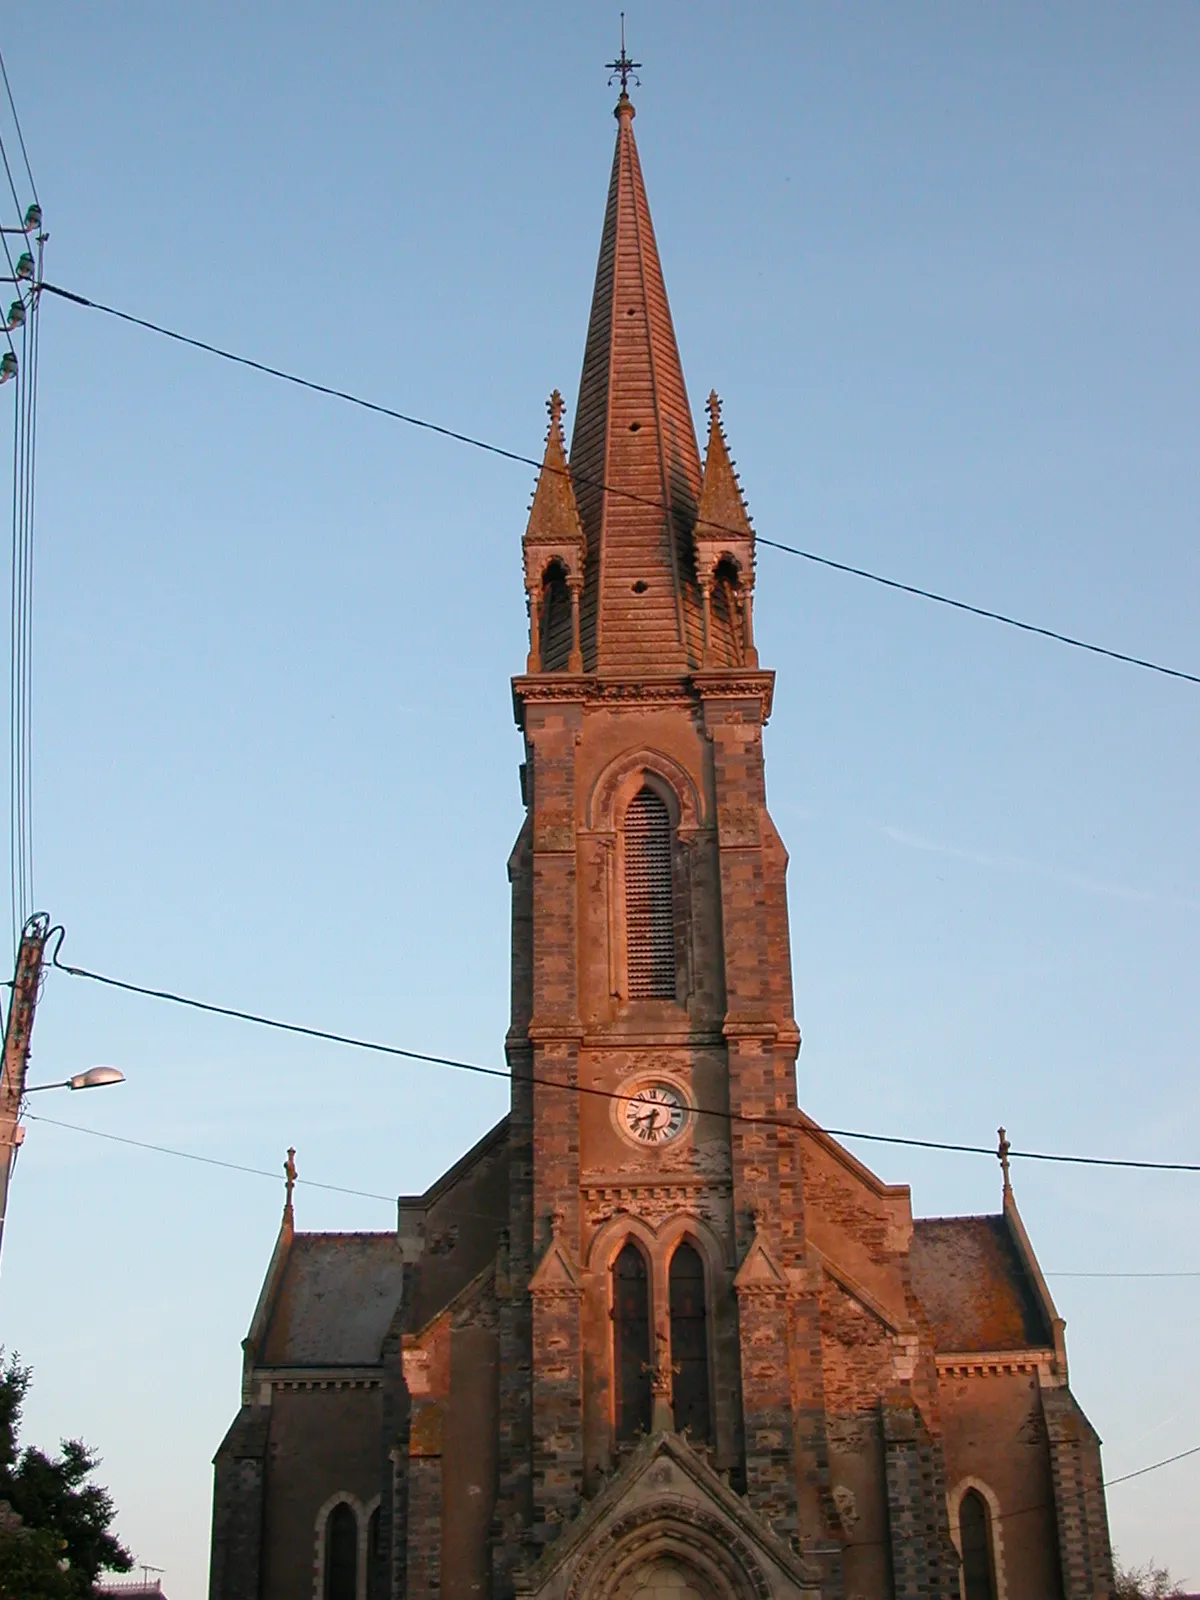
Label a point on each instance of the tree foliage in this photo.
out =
(1149, 1582)
(54, 1536)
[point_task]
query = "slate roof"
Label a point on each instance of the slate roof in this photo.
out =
(336, 1298)
(969, 1278)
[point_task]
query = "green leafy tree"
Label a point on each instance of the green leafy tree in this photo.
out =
(1146, 1583)
(54, 1522)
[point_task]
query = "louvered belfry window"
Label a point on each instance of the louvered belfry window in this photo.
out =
(649, 899)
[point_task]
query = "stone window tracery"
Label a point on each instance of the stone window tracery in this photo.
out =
(631, 1342)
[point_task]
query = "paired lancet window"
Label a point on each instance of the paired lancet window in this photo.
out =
(632, 1343)
(689, 1342)
(649, 898)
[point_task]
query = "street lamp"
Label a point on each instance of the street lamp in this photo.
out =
(93, 1078)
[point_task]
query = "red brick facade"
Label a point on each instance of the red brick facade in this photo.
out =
(874, 1385)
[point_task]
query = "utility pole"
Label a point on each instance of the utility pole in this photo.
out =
(18, 1033)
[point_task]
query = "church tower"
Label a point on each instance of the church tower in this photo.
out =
(658, 1336)
(661, 1233)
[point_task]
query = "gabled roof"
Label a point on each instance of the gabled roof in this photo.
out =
(968, 1275)
(333, 1301)
(634, 434)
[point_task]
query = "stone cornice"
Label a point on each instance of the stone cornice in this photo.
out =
(735, 683)
(579, 688)
(994, 1363)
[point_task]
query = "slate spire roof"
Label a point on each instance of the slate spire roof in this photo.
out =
(634, 433)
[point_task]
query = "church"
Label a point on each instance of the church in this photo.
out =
(657, 1336)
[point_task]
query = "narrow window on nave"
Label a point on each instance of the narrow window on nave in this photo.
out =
(341, 1553)
(375, 1586)
(631, 1342)
(649, 899)
(975, 1530)
(689, 1343)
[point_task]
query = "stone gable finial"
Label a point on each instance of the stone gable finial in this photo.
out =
(289, 1177)
(1002, 1156)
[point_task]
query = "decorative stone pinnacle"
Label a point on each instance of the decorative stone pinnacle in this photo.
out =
(713, 407)
(289, 1176)
(555, 407)
(1002, 1155)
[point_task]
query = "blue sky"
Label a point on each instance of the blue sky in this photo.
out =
(940, 263)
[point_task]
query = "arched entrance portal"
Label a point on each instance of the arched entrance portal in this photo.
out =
(666, 1579)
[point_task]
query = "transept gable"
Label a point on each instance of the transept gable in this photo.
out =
(665, 1503)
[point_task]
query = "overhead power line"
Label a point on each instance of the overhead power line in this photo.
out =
(369, 1194)
(207, 1161)
(530, 461)
(377, 1048)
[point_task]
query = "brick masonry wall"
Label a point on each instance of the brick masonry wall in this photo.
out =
(236, 1566)
(924, 1562)
(1083, 1541)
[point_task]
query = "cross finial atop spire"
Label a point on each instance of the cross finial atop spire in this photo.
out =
(623, 67)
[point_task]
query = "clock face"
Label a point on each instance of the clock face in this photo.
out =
(654, 1115)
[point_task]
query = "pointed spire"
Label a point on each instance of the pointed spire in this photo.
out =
(723, 541)
(553, 514)
(634, 457)
(722, 517)
(555, 549)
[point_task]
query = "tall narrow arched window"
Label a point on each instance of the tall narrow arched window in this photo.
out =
(341, 1553)
(631, 1342)
(726, 624)
(975, 1530)
(375, 1575)
(649, 899)
(689, 1343)
(556, 619)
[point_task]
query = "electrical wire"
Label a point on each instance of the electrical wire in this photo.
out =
(765, 1121)
(364, 1194)
(367, 1194)
(208, 1161)
(17, 124)
(530, 461)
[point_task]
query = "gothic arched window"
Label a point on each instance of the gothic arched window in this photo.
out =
(631, 1342)
(975, 1531)
(649, 899)
(727, 626)
(341, 1553)
(375, 1577)
(556, 619)
(689, 1343)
